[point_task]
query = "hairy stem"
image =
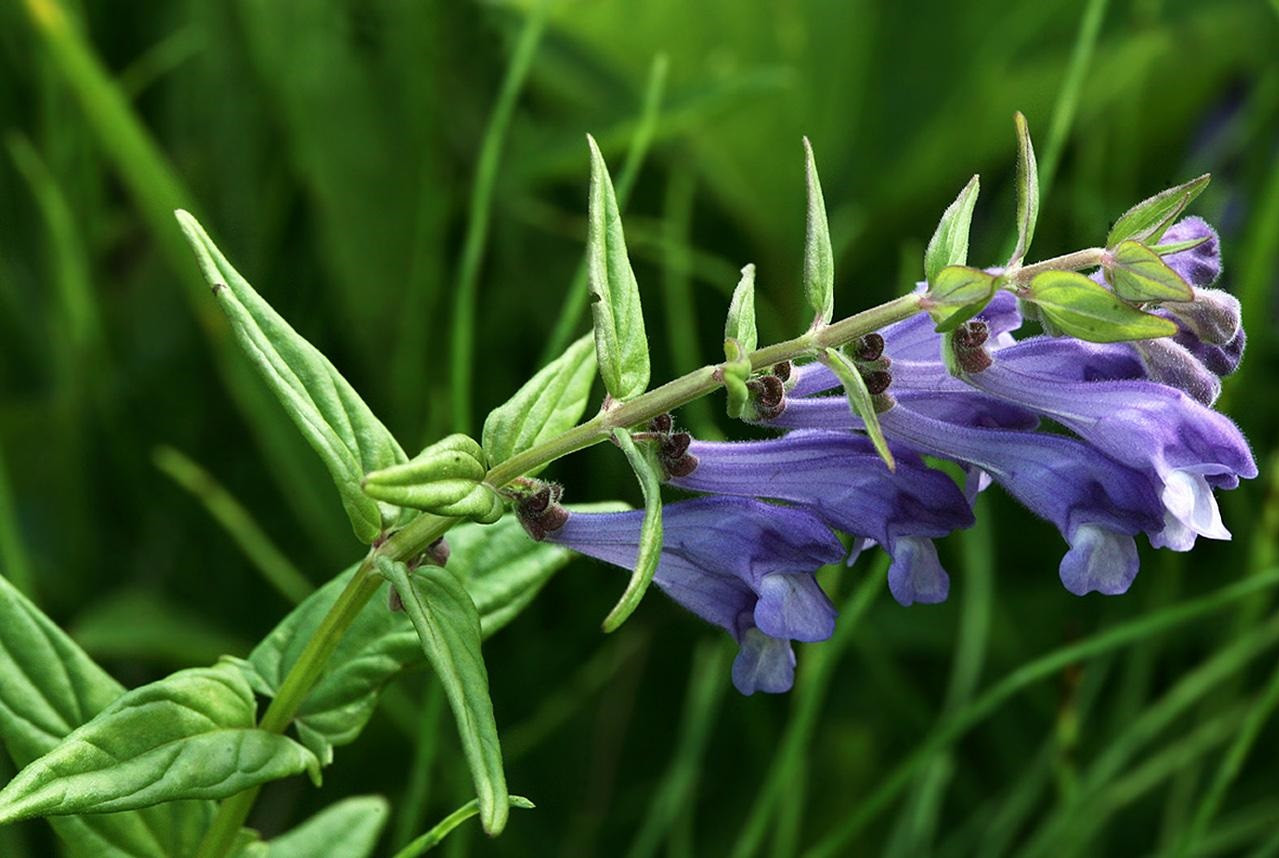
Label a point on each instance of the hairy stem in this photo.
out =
(414, 537)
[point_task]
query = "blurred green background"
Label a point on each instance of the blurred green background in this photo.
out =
(362, 162)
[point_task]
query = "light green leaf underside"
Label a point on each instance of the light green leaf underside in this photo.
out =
(650, 544)
(189, 735)
(549, 403)
(448, 626)
(48, 688)
(349, 828)
(328, 412)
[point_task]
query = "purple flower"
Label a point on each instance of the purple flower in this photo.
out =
(1179, 442)
(743, 565)
(1097, 503)
(839, 477)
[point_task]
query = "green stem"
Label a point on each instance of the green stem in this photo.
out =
(1088, 258)
(414, 537)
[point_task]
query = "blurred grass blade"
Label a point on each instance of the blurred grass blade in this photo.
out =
(335, 421)
(677, 291)
(239, 524)
(676, 792)
(445, 826)
(1228, 769)
(156, 190)
(809, 696)
(448, 627)
(15, 562)
(462, 354)
(1064, 107)
(650, 542)
(983, 706)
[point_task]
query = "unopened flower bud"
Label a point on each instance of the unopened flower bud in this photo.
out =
(1214, 316)
(877, 381)
(1171, 363)
(869, 347)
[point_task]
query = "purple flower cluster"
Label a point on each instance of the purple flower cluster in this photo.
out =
(1143, 454)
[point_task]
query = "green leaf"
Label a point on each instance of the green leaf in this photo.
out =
(740, 324)
(819, 259)
(620, 342)
(504, 570)
(445, 826)
(1179, 246)
(1149, 219)
(957, 294)
(48, 688)
(650, 544)
(349, 828)
(949, 244)
(1027, 190)
(1081, 308)
(859, 400)
(327, 411)
(1138, 274)
(448, 626)
(737, 371)
(447, 478)
(548, 404)
(189, 735)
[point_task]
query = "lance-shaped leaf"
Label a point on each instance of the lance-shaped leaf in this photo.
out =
(189, 735)
(957, 294)
(620, 342)
(740, 324)
(1138, 274)
(1027, 190)
(1179, 246)
(859, 400)
(819, 259)
(1077, 306)
(350, 828)
(447, 478)
(424, 843)
(448, 627)
(650, 544)
(327, 411)
(48, 688)
(949, 244)
(1149, 219)
(549, 403)
(503, 570)
(737, 371)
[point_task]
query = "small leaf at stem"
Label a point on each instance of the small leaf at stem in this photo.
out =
(549, 403)
(1138, 274)
(429, 840)
(859, 400)
(650, 545)
(1149, 219)
(957, 294)
(1027, 190)
(737, 371)
(740, 325)
(329, 413)
(1179, 246)
(349, 828)
(819, 259)
(1077, 306)
(620, 342)
(949, 244)
(448, 627)
(189, 735)
(447, 478)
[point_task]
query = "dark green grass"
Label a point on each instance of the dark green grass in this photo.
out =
(365, 162)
